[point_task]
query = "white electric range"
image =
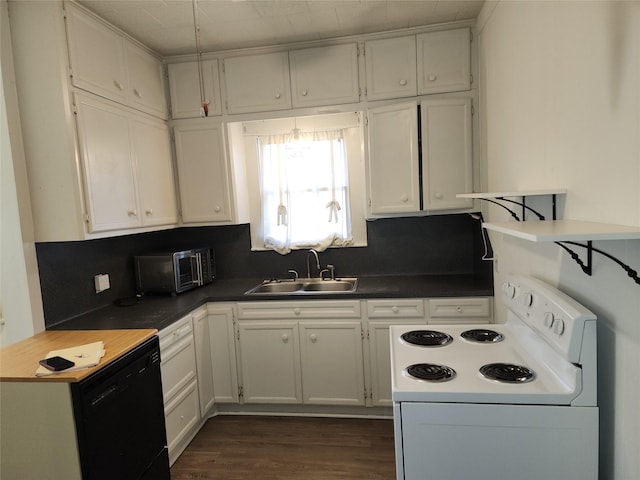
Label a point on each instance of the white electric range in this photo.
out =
(512, 401)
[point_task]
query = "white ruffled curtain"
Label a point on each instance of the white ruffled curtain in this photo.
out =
(304, 182)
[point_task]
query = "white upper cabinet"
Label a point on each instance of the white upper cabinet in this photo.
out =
(126, 160)
(106, 63)
(444, 61)
(398, 182)
(146, 81)
(257, 83)
(203, 173)
(391, 68)
(184, 88)
(105, 146)
(155, 178)
(446, 153)
(393, 162)
(324, 75)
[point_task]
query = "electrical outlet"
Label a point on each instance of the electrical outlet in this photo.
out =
(102, 282)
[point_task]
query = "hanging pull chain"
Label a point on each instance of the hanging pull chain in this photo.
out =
(204, 109)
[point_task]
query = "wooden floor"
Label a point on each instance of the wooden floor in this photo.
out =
(284, 448)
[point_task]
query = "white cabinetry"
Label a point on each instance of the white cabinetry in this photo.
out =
(179, 385)
(394, 181)
(393, 162)
(205, 178)
(460, 310)
(446, 153)
(391, 67)
(127, 166)
(324, 75)
(204, 365)
(381, 314)
(222, 339)
(106, 63)
(257, 83)
(444, 61)
(301, 352)
(184, 88)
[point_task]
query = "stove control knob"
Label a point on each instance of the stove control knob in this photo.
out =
(527, 299)
(548, 319)
(558, 326)
(509, 290)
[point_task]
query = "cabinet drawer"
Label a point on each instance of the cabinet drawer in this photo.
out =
(459, 307)
(181, 415)
(178, 357)
(296, 310)
(396, 308)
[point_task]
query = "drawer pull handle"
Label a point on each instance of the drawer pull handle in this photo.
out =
(395, 309)
(313, 337)
(118, 85)
(285, 338)
(403, 82)
(458, 309)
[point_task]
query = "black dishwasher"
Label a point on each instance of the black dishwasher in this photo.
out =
(119, 417)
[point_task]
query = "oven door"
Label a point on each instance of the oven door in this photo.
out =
(445, 441)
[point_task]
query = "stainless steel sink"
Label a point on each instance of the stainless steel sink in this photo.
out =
(304, 286)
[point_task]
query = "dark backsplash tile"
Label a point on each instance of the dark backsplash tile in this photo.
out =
(440, 244)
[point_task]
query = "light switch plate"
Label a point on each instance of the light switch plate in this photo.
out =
(102, 282)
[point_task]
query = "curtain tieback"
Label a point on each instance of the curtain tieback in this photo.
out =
(282, 215)
(334, 207)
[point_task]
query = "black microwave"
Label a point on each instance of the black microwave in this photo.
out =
(174, 272)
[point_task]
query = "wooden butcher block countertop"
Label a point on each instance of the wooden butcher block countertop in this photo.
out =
(19, 362)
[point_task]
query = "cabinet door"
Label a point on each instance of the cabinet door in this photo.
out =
(324, 75)
(203, 174)
(105, 146)
(444, 61)
(393, 181)
(257, 83)
(391, 68)
(97, 55)
(270, 362)
(332, 364)
(446, 153)
(184, 88)
(380, 358)
(154, 172)
(201, 336)
(222, 339)
(146, 78)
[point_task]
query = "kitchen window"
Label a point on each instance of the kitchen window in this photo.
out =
(308, 176)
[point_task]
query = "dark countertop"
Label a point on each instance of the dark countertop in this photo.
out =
(160, 311)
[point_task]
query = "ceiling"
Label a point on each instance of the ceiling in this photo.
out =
(167, 26)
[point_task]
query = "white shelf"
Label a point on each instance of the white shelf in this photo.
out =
(564, 230)
(523, 193)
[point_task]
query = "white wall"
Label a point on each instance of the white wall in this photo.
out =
(20, 301)
(560, 86)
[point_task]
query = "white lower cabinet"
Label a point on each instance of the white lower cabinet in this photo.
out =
(382, 314)
(179, 385)
(222, 341)
(301, 352)
(204, 365)
(331, 361)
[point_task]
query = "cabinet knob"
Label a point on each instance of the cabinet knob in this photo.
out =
(278, 95)
(217, 209)
(118, 85)
(304, 93)
(285, 338)
(439, 196)
(148, 212)
(433, 78)
(132, 213)
(459, 309)
(403, 82)
(404, 198)
(395, 309)
(296, 311)
(137, 93)
(313, 337)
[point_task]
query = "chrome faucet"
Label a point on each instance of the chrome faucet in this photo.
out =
(317, 261)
